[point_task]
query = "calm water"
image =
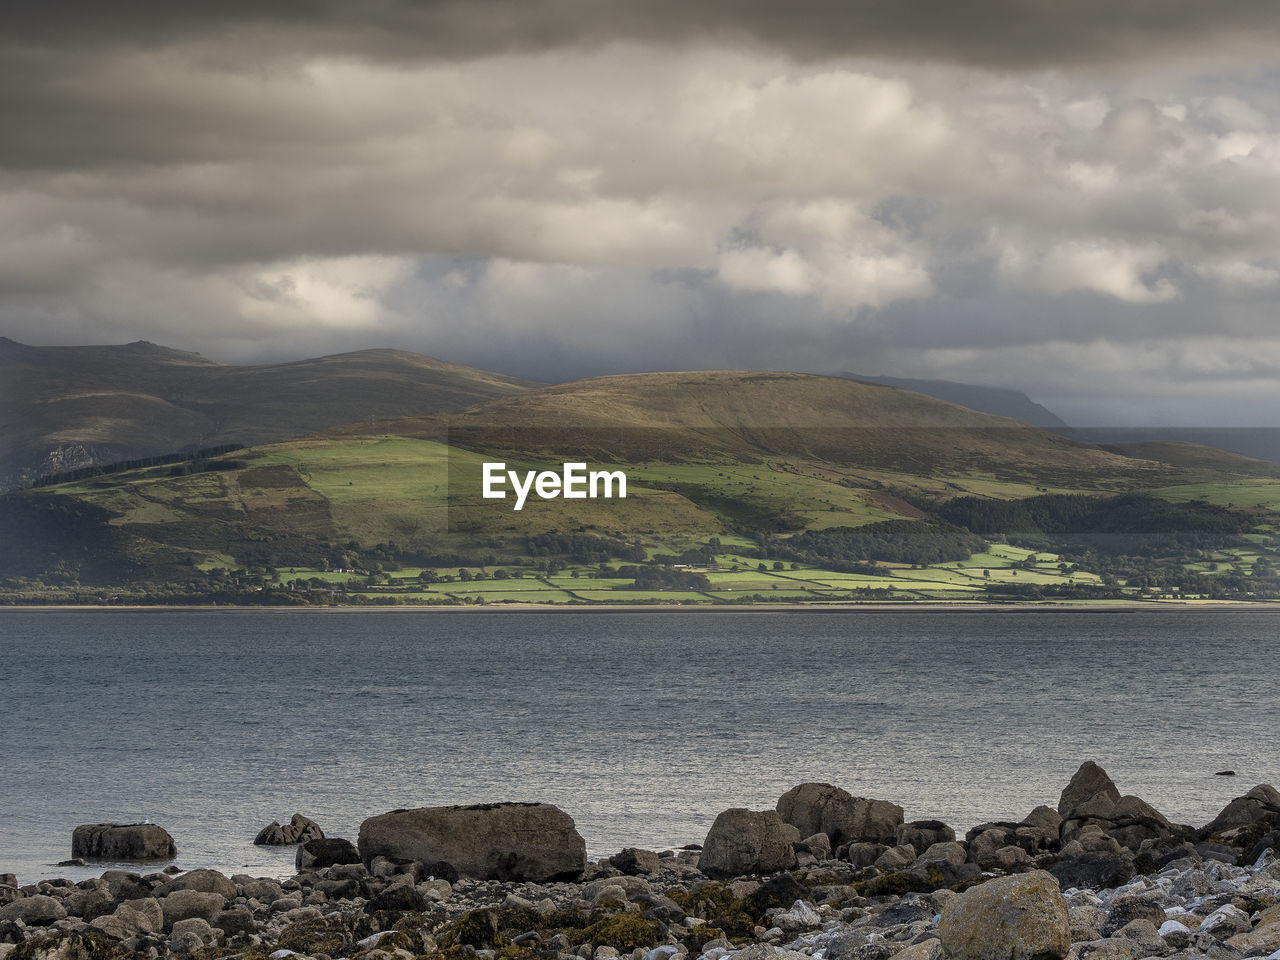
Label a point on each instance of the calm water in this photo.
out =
(642, 726)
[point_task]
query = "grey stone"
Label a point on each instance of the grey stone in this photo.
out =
(36, 911)
(823, 808)
(1022, 917)
(328, 852)
(1089, 781)
(743, 842)
(502, 841)
(115, 841)
(299, 829)
(185, 904)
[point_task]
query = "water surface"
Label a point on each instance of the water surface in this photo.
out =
(642, 725)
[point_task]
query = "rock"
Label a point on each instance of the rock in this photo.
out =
(496, 841)
(863, 854)
(237, 920)
(1267, 842)
(1245, 819)
(400, 896)
(1089, 781)
(1127, 909)
(930, 949)
(1010, 858)
(801, 916)
(299, 830)
(777, 891)
(922, 834)
(823, 808)
(818, 844)
(744, 842)
(1175, 934)
(260, 889)
(196, 927)
(132, 918)
(202, 881)
(983, 846)
(329, 852)
(636, 862)
(185, 904)
(948, 851)
(1045, 819)
(1093, 870)
(896, 858)
(1216, 851)
(127, 886)
(1023, 917)
(90, 903)
(115, 841)
(37, 911)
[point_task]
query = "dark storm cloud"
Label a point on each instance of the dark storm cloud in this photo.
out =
(1079, 198)
(1005, 34)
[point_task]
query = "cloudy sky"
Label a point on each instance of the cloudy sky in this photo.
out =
(1080, 200)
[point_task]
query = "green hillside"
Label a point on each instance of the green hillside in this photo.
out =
(739, 483)
(69, 407)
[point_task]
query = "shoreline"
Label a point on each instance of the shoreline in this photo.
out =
(822, 875)
(922, 606)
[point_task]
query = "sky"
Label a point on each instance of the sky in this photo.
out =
(1079, 200)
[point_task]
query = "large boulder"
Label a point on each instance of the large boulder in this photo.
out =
(822, 808)
(325, 852)
(1089, 781)
(122, 841)
(132, 918)
(1246, 819)
(1092, 800)
(745, 841)
(37, 911)
(185, 904)
(1022, 917)
(202, 881)
(299, 829)
(532, 842)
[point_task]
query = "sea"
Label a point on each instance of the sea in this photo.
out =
(642, 725)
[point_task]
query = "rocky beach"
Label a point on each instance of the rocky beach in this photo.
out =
(825, 875)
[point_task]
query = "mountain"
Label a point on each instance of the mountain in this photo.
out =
(734, 455)
(749, 415)
(63, 408)
(1259, 443)
(995, 400)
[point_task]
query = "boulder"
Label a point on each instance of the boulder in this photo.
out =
(635, 862)
(1094, 871)
(745, 841)
(327, 852)
(863, 854)
(300, 829)
(1023, 917)
(122, 841)
(948, 851)
(37, 911)
(185, 904)
(922, 834)
(202, 881)
(1244, 820)
(237, 920)
(1128, 909)
(133, 918)
(823, 808)
(1092, 800)
(1089, 781)
(534, 842)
